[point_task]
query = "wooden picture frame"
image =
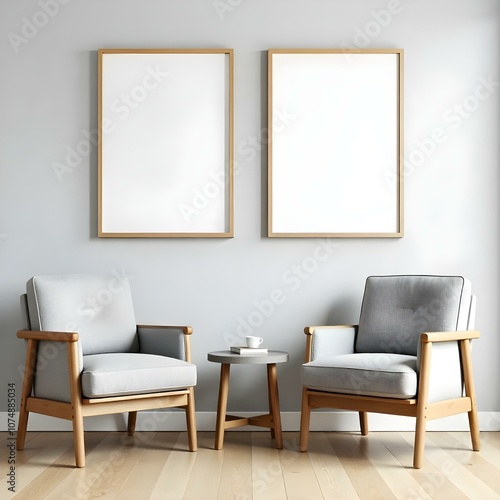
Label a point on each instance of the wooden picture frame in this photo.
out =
(166, 143)
(335, 151)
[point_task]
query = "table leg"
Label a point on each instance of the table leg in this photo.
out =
(222, 405)
(273, 434)
(274, 402)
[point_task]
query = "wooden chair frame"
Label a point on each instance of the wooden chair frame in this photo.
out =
(80, 407)
(418, 407)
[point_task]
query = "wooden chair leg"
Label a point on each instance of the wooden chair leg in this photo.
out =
(474, 429)
(22, 427)
(191, 422)
(419, 445)
(423, 391)
(305, 420)
(76, 403)
(363, 422)
(464, 346)
(78, 437)
(29, 368)
(132, 420)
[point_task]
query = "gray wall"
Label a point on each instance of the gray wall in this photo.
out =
(48, 101)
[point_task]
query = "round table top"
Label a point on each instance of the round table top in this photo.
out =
(248, 359)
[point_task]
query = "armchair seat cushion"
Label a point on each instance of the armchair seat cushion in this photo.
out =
(122, 374)
(367, 374)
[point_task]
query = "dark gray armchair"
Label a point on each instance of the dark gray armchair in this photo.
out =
(409, 355)
(86, 356)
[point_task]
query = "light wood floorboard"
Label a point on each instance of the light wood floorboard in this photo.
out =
(152, 470)
(473, 462)
(430, 482)
(365, 477)
(494, 439)
(236, 474)
(462, 478)
(176, 471)
(330, 473)
(158, 465)
(267, 474)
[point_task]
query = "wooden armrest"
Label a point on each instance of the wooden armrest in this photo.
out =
(186, 330)
(45, 335)
(309, 330)
(449, 336)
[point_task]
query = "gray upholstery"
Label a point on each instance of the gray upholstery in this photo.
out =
(106, 375)
(381, 356)
(52, 381)
(445, 372)
(368, 374)
(51, 376)
(327, 344)
(163, 341)
(100, 310)
(397, 309)
(26, 324)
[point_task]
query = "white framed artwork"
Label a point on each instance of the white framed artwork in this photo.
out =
(336, 143)
(166, 143)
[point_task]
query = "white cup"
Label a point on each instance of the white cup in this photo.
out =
(253, 342)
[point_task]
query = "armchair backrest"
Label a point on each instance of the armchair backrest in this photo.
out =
(99, 309)
(397, 309)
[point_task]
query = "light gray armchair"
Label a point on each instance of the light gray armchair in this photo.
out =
(409, 355)
(86, 356)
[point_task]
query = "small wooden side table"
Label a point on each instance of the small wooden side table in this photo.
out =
(272, 419)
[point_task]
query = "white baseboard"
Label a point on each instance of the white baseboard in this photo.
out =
(205, 421)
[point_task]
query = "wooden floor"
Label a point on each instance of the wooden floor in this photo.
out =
(153, 465)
